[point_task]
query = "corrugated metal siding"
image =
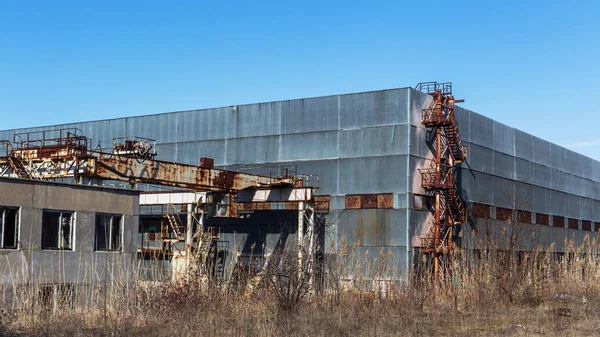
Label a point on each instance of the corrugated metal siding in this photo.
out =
(501, 158)
(369, 142)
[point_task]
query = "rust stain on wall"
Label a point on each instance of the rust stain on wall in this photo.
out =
(385, 201)
(503, 213)
(322, 202)
(369, 201)
(481, 211)
(352, 201)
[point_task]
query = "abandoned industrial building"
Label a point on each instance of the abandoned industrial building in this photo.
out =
(403, 171)
(65, 233)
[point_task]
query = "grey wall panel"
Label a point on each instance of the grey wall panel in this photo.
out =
(261, 119)
(558, 157)
(103, 132)
(522, 197)
(559, 180)
(464, 122)
(557, 203)
(541, 152)
(414, 176)
(576, 164)
(524, 145)
(481, 131)
(163, 128)
(308, 146)
(374, 227)
(577, 185)
(310, 115)
(328, 172)
(206, 124)
(191, 152)
(595, 190)
(466, 184)
(586, 210)
(596, 170)
(504, 165)
(587, 166)
(485, 188)
(542, 175)
(402, 200)
(374, 108)
(373, 175)
(504, 139)
(539, 200)
(376, 141)
(418, 102)
(524, 171)
(251, 150)
(481, 159)
(419, 147)
(166, 152)
(337, 202)
(574, 204)
(503, 191)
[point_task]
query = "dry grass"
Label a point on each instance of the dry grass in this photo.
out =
(491, 294)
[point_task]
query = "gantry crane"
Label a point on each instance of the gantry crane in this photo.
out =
(67, 153)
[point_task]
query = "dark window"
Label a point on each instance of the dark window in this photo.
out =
(108, 232)
(503, 213)
(9, 227)
(524, 216)
(542, 219)
(586, 225)
(573, 223)
(423, 202)
(57, 229)
(558, 221)
(481, 211)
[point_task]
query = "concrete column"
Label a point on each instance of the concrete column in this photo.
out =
(300, 235)
(188, 240)
(311, 247)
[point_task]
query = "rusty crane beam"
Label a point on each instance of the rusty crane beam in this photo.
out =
(65, 153)
(179, 175)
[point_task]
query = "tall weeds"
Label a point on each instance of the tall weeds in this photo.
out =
(483, 292)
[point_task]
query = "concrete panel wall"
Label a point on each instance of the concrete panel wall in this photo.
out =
(81, 264)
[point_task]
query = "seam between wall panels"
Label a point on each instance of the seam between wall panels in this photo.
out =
(408, 243)
(337, 183)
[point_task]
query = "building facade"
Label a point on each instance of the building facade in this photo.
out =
(367, 149)
(56, 233)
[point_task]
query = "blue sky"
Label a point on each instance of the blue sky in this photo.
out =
(533, 65)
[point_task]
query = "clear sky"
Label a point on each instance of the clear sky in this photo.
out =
(533, 65)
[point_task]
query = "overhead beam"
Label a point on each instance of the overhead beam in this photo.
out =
(180, 175)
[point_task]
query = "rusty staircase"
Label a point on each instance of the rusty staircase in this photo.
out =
(439, 178)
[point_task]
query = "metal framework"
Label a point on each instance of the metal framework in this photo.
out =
(439, 178)
(67, 153)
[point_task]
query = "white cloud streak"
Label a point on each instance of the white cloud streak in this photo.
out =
(585, 145)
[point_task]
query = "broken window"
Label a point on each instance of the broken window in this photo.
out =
(9, 227)
(57, 229)
(108, 232)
